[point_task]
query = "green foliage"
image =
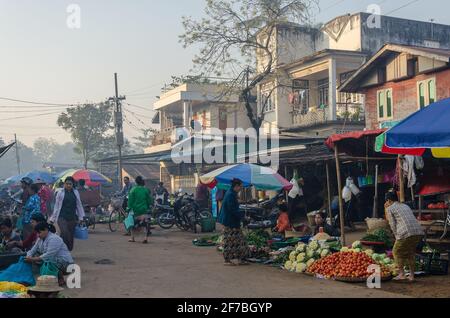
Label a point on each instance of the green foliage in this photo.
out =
(89, 126)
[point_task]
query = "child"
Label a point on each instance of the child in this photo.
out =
(283, 223)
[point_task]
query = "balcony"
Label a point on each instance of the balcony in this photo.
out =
(164, 136)
(346, 113)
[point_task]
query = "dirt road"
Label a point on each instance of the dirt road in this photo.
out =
(170, 266)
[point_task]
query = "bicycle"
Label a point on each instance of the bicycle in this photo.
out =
(117, 214)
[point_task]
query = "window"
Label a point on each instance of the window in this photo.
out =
(426, 92)
(385, 105)
(323, 86)
(301, 90)
(267, 99)
(413, 67)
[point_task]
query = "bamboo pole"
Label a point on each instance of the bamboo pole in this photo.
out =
(375, 199)
(401, 181)
(341, 205)
(329, 191)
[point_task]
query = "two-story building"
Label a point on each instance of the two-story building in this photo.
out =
(178, 110)
(311, 64)
(400, 80)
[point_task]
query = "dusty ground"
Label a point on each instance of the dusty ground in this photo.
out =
(170, 266)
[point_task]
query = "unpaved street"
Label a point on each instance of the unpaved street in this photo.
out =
(170, 266)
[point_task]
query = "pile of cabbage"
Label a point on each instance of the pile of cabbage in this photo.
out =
(305, 255)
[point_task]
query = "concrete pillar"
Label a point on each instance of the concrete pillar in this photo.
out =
(186, 114)
(332, 74)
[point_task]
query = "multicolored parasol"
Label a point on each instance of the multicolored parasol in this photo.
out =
(262, 178)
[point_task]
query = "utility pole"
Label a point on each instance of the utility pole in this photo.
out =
(118, 126)
(17, 154)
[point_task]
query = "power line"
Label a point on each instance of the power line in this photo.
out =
(31, 116)
(137, 118)
(144, 88)
(25, 111)
(140, 107)
(34, 103)
(402, 7)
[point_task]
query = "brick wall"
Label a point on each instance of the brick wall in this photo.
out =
(405, 98)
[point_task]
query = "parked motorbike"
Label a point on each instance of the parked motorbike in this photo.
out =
(185, 213)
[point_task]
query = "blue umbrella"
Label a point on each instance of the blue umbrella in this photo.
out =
(427, 128)
(43, 176)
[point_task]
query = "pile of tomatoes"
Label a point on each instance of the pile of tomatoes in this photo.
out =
(345, 265)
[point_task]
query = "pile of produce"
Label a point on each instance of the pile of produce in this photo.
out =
(207, 241)
(259, 252)
(12, 290)
(281, 256)
(345, 265)
(258, 238)
(380, 235)
(305, 255)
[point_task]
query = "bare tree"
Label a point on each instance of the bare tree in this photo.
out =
(234, 34)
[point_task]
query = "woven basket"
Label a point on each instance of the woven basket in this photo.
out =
(375, 224)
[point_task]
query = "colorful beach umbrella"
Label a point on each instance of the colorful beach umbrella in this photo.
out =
(93, 178)
(41, 176)
(262, 178)
(426, 129)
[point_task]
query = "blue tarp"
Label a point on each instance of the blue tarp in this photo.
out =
(427, 128)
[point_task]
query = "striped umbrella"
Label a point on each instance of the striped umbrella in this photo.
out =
(262, 178)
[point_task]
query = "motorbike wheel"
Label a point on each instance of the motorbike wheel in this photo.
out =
(166, 220)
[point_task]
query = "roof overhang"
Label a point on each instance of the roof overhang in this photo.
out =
(352, 85)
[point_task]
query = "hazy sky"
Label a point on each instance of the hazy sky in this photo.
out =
(43, 60)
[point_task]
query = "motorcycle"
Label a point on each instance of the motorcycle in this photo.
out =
(185, 213)
(263, 216)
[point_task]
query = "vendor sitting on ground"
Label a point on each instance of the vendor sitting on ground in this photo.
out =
(31, 240)
(320, 221)
(283, 223)
(408, 233)
(9, 236)
(50, 248)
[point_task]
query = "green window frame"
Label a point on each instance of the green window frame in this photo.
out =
(381, 100)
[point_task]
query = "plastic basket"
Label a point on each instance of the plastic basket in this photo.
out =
(438, 267)
(208, 225)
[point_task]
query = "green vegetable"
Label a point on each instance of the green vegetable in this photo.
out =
(258, 238)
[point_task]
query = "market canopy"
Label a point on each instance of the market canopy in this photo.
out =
(428, 128)
(262, 178)
(4, 150)
(356, 143)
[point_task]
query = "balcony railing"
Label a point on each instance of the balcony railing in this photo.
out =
(347, 112)
(162, 137)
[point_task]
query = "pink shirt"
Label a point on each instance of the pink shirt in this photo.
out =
(45, 194)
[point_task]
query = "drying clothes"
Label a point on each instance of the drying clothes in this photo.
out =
(408, 170)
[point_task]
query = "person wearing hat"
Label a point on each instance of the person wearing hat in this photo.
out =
(45, 194)
(46, 287)
(50, 248)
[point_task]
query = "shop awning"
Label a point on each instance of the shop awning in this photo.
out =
(428, 128)
(357, 143)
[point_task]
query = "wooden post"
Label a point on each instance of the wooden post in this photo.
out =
(341, 204)
(329, 191)
(375, 198)
(420, 206)
(401, 181)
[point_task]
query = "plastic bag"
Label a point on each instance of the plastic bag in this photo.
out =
(129, 221)
(346, 194)
(295, 191)
(20, 272)
(49, 269)
(354, 189)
